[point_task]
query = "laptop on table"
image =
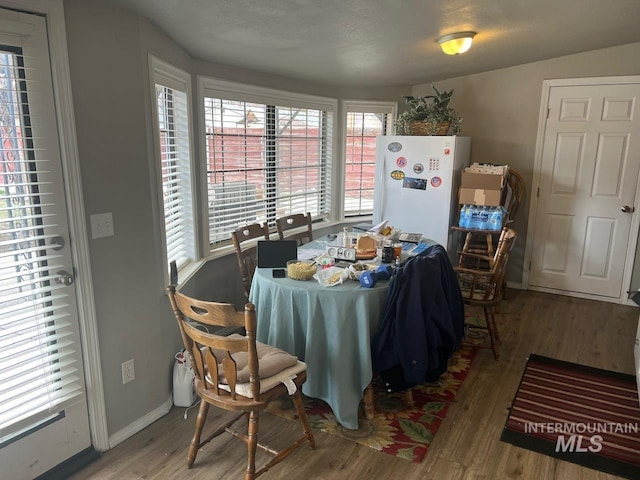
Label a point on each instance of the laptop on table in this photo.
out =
(276, 253)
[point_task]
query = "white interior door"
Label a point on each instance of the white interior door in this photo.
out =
(636, 357)
(588, 178)
(43, 409)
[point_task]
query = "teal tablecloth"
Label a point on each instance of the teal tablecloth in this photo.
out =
(329, 328)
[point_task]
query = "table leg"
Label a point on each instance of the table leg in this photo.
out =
(368, 400)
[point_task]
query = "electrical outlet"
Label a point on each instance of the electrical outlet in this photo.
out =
(101, 225)
(128, 372)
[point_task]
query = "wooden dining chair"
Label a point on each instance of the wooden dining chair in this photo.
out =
(484, 242)
(238, 374)
(513, 195)
(246, 251)
(482, 285)
(297, 221)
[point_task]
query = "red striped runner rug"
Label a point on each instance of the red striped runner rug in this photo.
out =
(579, 414)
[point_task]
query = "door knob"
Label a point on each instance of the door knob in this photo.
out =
(57, 242)
(64, 278)
(627, 209)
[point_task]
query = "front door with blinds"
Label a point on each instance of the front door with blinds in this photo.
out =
(43, 411)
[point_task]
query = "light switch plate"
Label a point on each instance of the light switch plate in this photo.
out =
(101, 225)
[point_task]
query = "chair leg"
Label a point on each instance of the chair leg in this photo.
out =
(408, 397)
(195, 441)
(368, 399)
(493, 332)
(496, 333)
(302, 415)
(252, 443)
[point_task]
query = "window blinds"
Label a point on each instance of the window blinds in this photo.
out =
(173, 128)
(264, 161)
(362, 129)
(38, 345)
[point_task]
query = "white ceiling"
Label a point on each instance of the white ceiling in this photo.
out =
(386, 42)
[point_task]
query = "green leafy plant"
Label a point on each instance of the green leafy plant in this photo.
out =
(432, 111)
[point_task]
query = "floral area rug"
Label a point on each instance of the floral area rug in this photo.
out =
(396, 429)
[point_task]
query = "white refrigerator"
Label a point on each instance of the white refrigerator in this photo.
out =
(416, 184)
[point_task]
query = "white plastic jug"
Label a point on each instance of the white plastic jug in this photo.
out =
(184, 393)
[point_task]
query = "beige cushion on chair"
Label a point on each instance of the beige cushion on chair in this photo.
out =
(275, 366)
(285, 376)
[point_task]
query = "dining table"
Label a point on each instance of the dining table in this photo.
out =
(328, 327)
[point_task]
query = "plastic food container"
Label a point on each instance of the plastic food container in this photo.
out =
(357, 269)
(301, 270)
(329, 277)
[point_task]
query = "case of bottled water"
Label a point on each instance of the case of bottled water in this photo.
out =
(481, 217)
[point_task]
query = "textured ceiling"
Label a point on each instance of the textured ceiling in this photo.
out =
(386, 42)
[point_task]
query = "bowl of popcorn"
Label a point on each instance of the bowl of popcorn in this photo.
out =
(301, 269)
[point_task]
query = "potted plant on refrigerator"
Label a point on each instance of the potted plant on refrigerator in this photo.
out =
(429, 115)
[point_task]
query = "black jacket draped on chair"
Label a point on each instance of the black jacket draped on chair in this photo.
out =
(422, 324)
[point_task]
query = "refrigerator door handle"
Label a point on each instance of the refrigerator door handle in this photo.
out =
(383, 191)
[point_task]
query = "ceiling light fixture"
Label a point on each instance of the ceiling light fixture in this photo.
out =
(456, 43)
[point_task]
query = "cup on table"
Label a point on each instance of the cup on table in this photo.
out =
(387, 254)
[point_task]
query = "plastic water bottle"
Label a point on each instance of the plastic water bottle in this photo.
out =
(480, 217)
(464, 218)
(474, 213)
(495, 218)
(500, 217)
(484, 218)
(477, 217)
(470, 216)
(487, 213)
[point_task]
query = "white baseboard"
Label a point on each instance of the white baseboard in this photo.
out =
(516, 285)
(143, 422)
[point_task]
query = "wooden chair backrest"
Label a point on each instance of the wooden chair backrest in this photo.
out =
(291, 222)
(488, 282)
(513, 194)
(470, 258)
(205, 349)
(246, 253)
(505, 244)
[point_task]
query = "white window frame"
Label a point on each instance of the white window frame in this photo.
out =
(217, 88)
(361, 106)
(163, 73)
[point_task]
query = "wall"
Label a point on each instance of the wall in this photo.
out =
(500, 112)
(108, 91)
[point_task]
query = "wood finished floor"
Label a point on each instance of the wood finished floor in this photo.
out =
(467, 446)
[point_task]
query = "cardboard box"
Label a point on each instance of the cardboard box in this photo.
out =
(481, 188)
(488, 168)
(480, 196)
(482, 180)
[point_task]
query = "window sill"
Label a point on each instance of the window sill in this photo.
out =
(188, 271)
(320, 227)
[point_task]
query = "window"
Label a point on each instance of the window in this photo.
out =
(268, 154)
(364, 122)
(171, 101)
